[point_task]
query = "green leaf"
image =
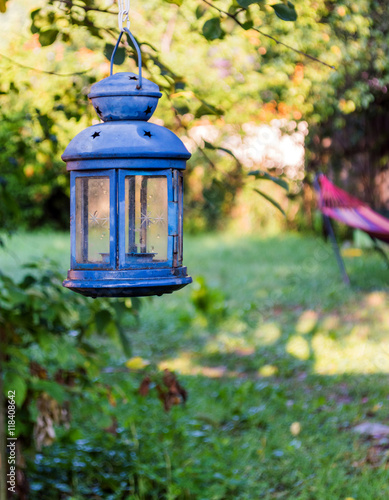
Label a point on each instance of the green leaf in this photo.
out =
(208, 145)
(3, 7)
(48, 37)
(246, 3)
(74, 435)
(181, 107)
(120, 55)
(207, 109)
(102, 320)
(247, 25)
(177, 2)
(285, 12)
(56, 391)
(34, 13)
(125, 341)
(103, 421)
(270, 200)
(212, 29)
(260, 174)
(14, 382)
(200, 11)
(16, 296)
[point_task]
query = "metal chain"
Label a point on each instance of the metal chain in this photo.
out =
(124, 14)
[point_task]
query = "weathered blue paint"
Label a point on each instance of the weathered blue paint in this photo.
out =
(132, 163)
(112, 98)
(126, 145)
(127, 288)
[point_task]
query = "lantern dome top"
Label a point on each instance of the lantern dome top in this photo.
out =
(125, 139)
(123, 96)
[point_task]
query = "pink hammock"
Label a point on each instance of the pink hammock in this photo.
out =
(339, 205)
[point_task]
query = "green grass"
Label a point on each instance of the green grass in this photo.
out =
(280, 360)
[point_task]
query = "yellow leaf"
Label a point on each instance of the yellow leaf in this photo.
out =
(351, 252)
(3, 7)
(295, 428)
(307, 322)
(298, 347)
(136, 363)
(268, 371)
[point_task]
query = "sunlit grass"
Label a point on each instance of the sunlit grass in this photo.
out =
(279, 298)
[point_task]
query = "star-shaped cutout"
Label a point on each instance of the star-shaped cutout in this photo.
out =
(132, 78)
(96, 134)
(159, 219)
(98, 110)
(146, 219)
(148, 110)
(147, 134)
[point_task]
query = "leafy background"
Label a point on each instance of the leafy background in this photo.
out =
(266, 343)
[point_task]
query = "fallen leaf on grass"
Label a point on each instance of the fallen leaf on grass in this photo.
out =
(175, 394)
(137, 363)
(170, 391)
(145, 386)
(295, 428)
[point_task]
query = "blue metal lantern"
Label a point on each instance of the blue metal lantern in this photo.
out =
(126, 198)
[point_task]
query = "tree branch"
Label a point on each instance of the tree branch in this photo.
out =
(278, 42)
(43, 71)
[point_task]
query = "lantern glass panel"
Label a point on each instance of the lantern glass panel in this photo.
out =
(146, 218)
(92, 220)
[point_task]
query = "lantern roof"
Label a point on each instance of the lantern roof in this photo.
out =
(125, 102)
(121, 84)
(125, 139)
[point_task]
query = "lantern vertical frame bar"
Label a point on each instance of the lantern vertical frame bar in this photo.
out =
(73, 261)
(131, 213)
(180, 218)
(143, 213)
(84, 219)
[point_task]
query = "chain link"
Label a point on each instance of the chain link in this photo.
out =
(124, 14)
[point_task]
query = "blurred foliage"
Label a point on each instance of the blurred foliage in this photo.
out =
(208, 301)
(66, 36)
(47, 353)
(221, 64)
(249, 78)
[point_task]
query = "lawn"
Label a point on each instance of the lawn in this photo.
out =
(280, 360)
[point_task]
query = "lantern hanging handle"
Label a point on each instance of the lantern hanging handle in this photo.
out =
(139, 86)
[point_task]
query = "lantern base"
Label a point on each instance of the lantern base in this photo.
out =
(124, 287)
